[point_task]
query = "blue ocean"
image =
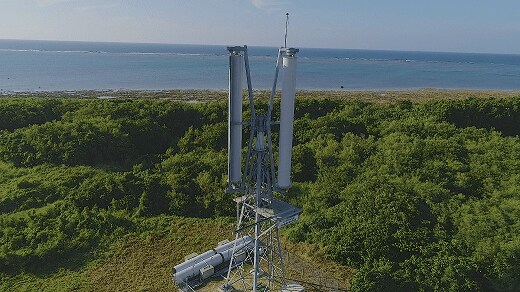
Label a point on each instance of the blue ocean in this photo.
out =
(56, 65)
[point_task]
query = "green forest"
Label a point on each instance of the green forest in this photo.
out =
(412, 196)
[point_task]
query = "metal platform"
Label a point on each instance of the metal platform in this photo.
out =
(280, 211)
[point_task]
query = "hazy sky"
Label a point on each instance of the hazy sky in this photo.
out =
(434, 25)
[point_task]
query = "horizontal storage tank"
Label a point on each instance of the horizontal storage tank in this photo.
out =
(193, 260)
(286, 121)
(230, 244)
(194, 270)
(215, 260)
(245, 246)
(214, 257)
(236, 72)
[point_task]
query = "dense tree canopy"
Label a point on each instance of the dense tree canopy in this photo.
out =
(414, 196)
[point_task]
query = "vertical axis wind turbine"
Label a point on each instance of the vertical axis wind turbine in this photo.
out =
(259, 213)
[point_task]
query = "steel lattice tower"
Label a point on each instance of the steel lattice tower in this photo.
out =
(259, 213)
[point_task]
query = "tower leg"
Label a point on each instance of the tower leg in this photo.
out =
(259, 180)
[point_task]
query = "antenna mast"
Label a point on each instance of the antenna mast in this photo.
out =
(286, 27)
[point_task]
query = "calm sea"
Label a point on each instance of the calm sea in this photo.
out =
(50, 66)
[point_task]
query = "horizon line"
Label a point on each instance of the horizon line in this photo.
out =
(263, 46)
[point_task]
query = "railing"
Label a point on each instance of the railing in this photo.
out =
(310, 276)
(321, 284)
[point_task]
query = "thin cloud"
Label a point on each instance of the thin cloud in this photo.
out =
(79, 7)
(269, 5)
(50, 2)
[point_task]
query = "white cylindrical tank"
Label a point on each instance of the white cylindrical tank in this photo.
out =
(193, 269)
(286, 121)
(194, 260)
(229, 245)
(236, 72)
(240, 247)
(246, 242)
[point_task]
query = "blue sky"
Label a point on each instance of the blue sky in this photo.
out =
(441, 25)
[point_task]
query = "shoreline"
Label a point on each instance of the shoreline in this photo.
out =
(218, 95)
